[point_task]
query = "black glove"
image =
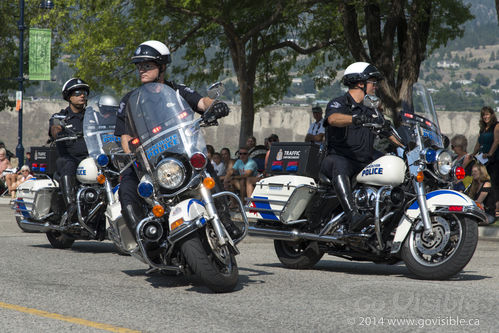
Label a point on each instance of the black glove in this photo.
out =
(361, 118)
(217, 111)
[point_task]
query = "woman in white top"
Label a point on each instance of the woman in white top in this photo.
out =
(23, 176)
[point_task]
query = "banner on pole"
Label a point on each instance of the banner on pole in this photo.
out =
(39, 54)
(19, 100)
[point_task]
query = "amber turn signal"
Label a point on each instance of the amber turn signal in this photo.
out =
(176, 224)
(158, 211)
(209, 183)
(101, 179)
(420, 177)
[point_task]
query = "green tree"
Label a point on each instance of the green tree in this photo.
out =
(260, 39)
(482, 80)
(397, 35)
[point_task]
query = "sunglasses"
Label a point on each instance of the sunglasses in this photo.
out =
(243, 153)
(79, 93)
(146, 67)
(374, 83)
(24, 170)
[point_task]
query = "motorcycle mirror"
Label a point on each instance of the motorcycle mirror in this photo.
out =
(371, 101)
(216, 90)
(446, 141)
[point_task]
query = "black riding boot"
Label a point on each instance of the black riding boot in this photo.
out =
(68, 195)
(344, 193)
(131, 214)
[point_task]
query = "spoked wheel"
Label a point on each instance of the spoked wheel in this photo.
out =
(59, 240)
(215, 265)
(298, 254)
(445, 253)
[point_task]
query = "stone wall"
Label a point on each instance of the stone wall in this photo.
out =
(289, 123)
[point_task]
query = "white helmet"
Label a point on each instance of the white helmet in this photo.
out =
(359, 72)
(108, 104)
(152, 50)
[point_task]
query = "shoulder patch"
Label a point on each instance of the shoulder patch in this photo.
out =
(335, 105)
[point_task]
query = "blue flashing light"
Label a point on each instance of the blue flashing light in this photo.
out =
(102, 160)
(145, 189)
(42, 169)
(430, 156)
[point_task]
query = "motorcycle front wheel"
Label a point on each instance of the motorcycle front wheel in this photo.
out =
(59, 240)
(298, 254)
(446, 253)
(218, 271)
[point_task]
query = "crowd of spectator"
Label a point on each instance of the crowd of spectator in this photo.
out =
(481, 181)
(241, 173)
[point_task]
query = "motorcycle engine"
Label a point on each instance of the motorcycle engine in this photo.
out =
(365, 197)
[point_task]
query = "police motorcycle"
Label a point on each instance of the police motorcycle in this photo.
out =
(182, 231)
(39, 204)
(413, 215)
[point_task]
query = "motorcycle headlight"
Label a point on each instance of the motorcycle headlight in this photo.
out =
(170, 173)
(443, 163)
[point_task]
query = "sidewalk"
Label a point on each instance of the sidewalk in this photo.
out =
(488, 233)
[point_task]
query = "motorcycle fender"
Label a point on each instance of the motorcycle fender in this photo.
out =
(184, 211)
(434, 200)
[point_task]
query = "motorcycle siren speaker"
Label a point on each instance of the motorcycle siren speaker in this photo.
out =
(152, 231)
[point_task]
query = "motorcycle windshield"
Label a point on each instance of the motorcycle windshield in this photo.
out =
(98, 128)
(162, 124)
(423, 115)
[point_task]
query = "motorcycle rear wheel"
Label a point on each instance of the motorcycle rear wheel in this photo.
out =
(59, 240)
(299, 254)
(447, 253)
(220, 277)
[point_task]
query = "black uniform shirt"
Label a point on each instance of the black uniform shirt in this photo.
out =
(354, 142)
(74, 123)
(190, 96)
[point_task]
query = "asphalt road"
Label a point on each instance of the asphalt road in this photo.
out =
(90, 288)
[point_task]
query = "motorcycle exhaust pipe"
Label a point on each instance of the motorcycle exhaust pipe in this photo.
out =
(40, 227)
(292, 235)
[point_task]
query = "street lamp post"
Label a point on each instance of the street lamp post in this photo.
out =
(20, 149)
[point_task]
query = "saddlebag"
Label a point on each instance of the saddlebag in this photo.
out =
(294, 158)
(281, 198)
(34, 198)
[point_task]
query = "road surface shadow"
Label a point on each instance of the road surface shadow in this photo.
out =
(368, 268)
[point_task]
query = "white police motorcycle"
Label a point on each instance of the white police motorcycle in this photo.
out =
(39, 204)
(413, 215)
(182, 230)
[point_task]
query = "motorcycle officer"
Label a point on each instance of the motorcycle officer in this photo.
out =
(151, 59)
(71, 152)
(349, 144)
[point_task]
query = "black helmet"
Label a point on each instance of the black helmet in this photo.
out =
(152, 50)
(74, 84)
(359, 72)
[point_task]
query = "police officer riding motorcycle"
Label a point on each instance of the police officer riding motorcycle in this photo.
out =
(349, 144)
(171, 106)
(71, 152)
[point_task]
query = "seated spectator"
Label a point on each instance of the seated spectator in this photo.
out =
(23, 176)
(5, 166)
(459, 145)
(272, 138)
(210, 151)
(240, 174)
(481, 191)
(218, 164)
(250, 143)
(8, 153)
(228, 162)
